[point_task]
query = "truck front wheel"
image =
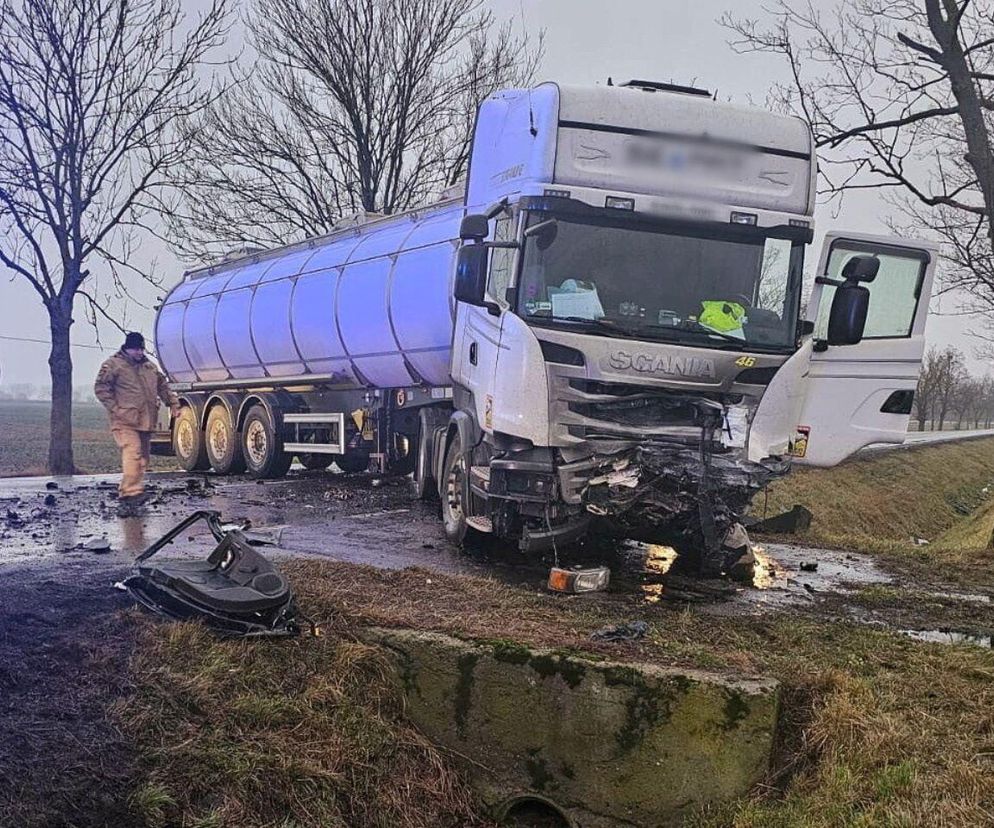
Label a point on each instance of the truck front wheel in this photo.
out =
(455, 496)
(262, 447)
(189, 445)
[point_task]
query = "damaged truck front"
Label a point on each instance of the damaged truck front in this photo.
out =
(605, 325)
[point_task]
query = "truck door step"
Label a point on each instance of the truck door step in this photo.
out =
(480, 524)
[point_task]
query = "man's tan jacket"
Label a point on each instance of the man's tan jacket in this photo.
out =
(130, 391)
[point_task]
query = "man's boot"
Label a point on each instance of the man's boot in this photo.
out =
(131, 506)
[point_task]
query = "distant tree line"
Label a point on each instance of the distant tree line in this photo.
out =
(22, 391)
(948, 396)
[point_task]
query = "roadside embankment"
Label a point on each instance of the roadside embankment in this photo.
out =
(896, 501)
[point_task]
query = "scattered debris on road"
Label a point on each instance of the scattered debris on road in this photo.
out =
(99, 546)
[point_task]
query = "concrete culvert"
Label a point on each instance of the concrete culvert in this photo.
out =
(533, 812)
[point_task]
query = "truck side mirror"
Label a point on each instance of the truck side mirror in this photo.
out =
(847, 318)
(861, 269)
(474, 227)
(471, 274)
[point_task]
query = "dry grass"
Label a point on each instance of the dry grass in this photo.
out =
(305, 733)
(875, 729)
(882, 502)
(24, 444)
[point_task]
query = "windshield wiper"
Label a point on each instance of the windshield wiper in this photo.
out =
(693, 326)
(602, 324)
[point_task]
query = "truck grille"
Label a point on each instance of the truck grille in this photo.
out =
(583, 409)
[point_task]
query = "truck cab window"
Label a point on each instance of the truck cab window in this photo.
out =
(501, 261)
(894, 292)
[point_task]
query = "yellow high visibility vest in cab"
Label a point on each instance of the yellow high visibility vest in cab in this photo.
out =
(722, 316)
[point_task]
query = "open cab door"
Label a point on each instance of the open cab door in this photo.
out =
(856, 395)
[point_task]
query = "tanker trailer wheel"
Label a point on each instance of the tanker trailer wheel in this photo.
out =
(353, 461)
(314, 462)
(262, 447)
(224, 448)
(189, 445)
(455, 495)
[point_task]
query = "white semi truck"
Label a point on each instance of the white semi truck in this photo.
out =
(604, 325)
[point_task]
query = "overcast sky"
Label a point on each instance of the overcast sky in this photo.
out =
(586, 41)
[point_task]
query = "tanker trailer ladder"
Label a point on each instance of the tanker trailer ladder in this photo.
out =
(314, 424)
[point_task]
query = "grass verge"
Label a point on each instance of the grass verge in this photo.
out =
(24, 426)
(875, 729)
(886, 501)
(304, 733)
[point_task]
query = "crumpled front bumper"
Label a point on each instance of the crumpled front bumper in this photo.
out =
(654, 490)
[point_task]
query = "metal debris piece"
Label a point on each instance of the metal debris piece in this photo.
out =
(98, 546)
(578, 580)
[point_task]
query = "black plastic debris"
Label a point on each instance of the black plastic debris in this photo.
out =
(13, 520)
(796, 520)
(809, 566)
(235, 591)
(50, 500)
(630, 631)
(51, 485)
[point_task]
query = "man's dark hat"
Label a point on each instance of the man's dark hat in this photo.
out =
(134, 340)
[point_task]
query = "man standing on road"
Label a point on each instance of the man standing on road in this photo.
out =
(130, 387)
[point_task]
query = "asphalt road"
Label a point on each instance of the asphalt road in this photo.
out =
(358, 519)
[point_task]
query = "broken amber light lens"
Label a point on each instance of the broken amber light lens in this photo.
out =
(579, 580)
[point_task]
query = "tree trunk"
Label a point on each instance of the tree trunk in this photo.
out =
(60, 459)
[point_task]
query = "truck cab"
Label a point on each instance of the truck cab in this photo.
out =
(631, 345)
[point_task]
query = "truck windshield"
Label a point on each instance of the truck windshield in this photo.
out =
(715, 288)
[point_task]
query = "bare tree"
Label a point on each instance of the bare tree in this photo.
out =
(941, 388)
(928, 381)
(353, 105)
(90, 94)
(952, 374)
(900, 96)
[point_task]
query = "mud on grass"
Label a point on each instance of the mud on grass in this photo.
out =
(143, 723)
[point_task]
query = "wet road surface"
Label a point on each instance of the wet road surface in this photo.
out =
(48, 522)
